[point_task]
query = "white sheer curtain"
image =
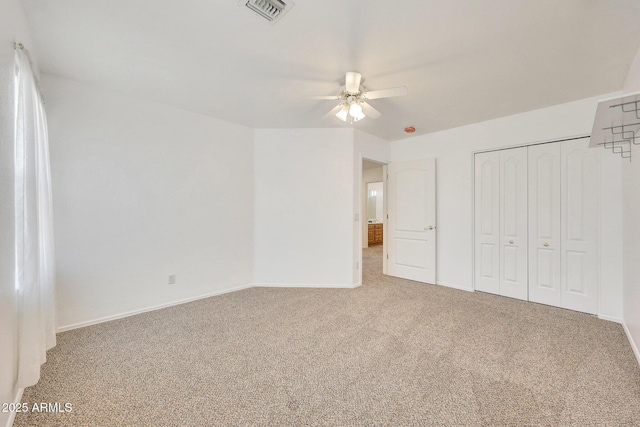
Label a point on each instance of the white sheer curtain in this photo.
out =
(35, 273)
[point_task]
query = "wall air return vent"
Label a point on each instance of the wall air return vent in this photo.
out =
(271, 10)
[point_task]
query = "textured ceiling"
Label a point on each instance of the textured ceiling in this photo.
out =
(463, 61)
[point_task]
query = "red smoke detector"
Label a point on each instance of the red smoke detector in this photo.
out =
(410, 129)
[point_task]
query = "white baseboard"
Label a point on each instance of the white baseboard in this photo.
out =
(610, 318)
(144, 310)
(450, 285)
(305, 285)
(634, 346)
(212, 294)
(12, 415)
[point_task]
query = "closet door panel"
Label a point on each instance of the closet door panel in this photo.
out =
(580, 207)
(544, 224)
(487, 222)
(513, 223)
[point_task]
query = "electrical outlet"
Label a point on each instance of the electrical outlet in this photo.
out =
(172, 279)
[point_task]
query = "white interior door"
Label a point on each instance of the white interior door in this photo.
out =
(487, 222)
(579, 224)
(500, 199)
(544, 224)
(411, 223)
(513, 223)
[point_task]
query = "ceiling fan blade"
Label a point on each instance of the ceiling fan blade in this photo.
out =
(331, 97)
(333, 111)
(343, 113)
(386, 93)
(369, 111)
(352, 82)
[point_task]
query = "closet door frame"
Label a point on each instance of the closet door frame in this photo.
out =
(473, 197)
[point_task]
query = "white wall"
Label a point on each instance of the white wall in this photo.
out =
(631, 219)
(454, 150)
(371, 147)
(632, 83)
(141, 191)
(12, 28)
(304, 207)
(371, 175)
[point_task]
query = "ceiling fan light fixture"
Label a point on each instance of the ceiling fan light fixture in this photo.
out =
(353, 102)
(342, 114)
(358, 117)
(355, 111)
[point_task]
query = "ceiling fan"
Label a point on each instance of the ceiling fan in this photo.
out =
(353, 100)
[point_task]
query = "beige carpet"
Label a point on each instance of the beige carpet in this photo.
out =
(392, 352)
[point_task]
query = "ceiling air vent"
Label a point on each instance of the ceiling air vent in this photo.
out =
(271, 10)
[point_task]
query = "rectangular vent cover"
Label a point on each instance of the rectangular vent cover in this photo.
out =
(271, 10)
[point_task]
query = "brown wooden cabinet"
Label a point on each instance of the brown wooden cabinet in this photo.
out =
(375, 234)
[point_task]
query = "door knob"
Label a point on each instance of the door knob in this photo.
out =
(511, 241)
(545, 244)
(431, 227)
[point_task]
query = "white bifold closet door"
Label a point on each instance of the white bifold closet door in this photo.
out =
(563, 229)
(544, 228)
(487, 222)
(536, 224)
(501, 222)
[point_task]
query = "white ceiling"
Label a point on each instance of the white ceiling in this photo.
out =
(464, 61)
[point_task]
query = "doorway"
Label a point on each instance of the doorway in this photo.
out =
(372, 211)
(408, 229)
